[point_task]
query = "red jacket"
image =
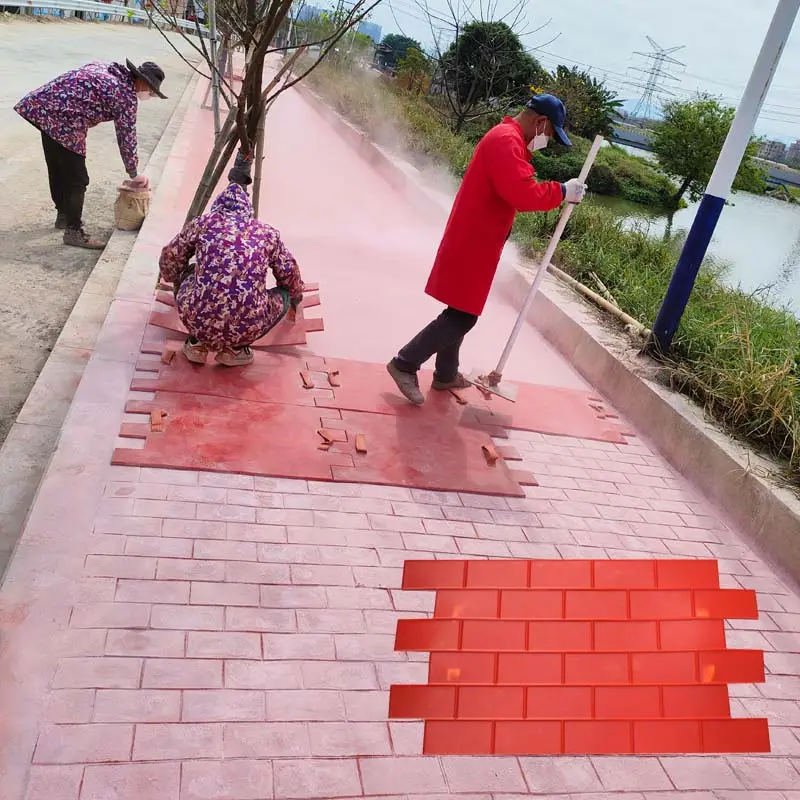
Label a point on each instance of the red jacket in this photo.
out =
(498, 183)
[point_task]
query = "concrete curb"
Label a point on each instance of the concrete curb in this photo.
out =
(34, 436)
(728, 474)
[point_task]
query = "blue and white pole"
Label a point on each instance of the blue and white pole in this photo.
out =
(719, 187)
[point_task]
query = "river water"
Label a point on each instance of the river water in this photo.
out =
(759, 237)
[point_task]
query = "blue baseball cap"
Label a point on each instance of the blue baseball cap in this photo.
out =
(551, 107)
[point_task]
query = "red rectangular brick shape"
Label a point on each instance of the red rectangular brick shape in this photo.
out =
(544, 657)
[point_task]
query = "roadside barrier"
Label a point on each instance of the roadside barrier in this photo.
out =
(115, 11)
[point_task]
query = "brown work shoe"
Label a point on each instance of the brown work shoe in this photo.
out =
(459, 382)
(77, 237)
(194, 351)
(407, 383)
(235, 356)
(61, 221)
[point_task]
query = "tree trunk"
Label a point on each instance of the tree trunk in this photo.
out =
(676, 198)
(225, 143)
(259, 161)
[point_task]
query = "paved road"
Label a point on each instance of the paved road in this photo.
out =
(42, 279)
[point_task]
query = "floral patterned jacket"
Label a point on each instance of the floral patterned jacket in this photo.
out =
(70, 104)
(224, 301)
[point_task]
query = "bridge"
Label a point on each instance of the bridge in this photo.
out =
(642, 139)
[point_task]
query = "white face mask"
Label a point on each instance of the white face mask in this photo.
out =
(539, 142)
(146, 95)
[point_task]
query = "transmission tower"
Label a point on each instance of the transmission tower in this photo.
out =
(658, 77)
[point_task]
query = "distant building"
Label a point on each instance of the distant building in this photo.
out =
(793, 155)
(772, 150)
(371, 29)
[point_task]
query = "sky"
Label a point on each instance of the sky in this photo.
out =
(720, 42)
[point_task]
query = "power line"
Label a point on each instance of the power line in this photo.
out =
(624, 83)
(653, 87)
(657, 76)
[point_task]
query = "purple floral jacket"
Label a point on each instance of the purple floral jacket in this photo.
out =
(225, 300)
(70, 104)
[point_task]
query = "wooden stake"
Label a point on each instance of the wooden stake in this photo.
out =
(259, 158)
(361, 443)
(227, 138)
(226, 142)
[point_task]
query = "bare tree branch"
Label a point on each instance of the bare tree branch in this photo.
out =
(172, 21)
(464, 86)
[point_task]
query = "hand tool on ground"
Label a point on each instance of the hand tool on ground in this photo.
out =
(493, 381)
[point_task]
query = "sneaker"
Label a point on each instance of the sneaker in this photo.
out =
(194, 351)
(77, 237)
(61, 222)
(407, 383)
(459, 382)
(235, 356)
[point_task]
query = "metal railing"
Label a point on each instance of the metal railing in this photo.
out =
(115, 11)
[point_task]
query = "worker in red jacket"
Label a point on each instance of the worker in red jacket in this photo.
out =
(498, 183)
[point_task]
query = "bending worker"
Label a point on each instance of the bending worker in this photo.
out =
(222, 298)
(498, 183)
(64, 110)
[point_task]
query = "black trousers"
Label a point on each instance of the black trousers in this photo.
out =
(443, 337)
(68, 180)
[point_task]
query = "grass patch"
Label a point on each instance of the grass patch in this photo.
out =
(735, 353)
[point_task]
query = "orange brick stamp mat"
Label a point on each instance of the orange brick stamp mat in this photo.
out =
(578, 657)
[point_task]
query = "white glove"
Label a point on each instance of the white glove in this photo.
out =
(575, 190)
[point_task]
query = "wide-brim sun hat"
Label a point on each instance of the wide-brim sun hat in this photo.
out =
(150, 73)
(551, 107)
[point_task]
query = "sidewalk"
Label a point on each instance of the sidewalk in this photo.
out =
(193, 635)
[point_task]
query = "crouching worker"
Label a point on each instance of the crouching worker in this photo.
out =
(222, 298)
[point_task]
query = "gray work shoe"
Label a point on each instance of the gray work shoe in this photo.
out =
(194, 351)
(407, 383)
(61, 222)
(459, 382)
(235, 356)
(77, 237)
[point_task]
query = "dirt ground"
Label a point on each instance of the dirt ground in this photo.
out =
(40, 278)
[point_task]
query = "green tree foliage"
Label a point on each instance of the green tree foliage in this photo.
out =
(590, 105)
(486, 67)
(393, 49)
(688, 142)
(414, 70)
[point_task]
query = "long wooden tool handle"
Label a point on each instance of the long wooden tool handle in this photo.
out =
(548, 255)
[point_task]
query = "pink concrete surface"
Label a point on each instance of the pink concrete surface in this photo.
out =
(371, 251)
(174, 635)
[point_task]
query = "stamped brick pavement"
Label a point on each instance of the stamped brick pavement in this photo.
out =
(236, 635)
(176, 635)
